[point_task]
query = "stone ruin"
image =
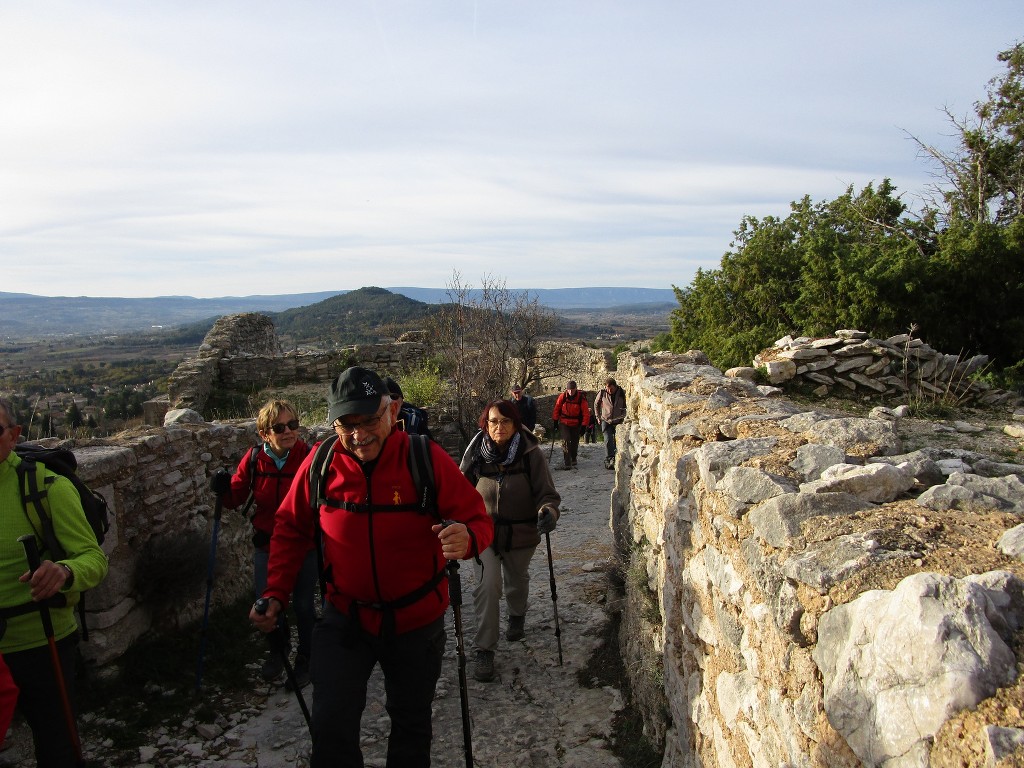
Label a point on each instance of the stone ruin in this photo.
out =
(798, 591)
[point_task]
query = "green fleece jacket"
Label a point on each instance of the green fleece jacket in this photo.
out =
(84, 556)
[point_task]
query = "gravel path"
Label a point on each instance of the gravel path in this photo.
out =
(535, 712)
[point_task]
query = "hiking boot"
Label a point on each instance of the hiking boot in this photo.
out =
(272, 668)
(483, 666)
(516, 628)
(301, 674)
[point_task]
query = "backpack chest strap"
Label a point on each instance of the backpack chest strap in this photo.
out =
(360, 508)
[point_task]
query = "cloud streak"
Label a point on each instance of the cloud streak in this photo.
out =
(236, 148)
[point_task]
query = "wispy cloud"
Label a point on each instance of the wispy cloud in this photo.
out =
(207, 149)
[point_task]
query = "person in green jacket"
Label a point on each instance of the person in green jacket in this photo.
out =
(24, 645)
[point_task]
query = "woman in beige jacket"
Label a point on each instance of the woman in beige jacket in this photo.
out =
(505, 463)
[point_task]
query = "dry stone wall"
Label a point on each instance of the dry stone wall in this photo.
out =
(156, 481)
(851, 361)
(800, 592)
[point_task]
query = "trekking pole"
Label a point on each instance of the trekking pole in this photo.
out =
(279, 641)
(554, 598)
(217, 509)
(455, 597)
(32, 555)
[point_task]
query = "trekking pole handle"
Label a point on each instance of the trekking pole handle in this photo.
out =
(261, 606)
(28, 541)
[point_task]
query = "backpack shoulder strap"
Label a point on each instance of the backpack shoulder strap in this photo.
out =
(33, 500)
(254, 455)
(422, 470)
(318, 470)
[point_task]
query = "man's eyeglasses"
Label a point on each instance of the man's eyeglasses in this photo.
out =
(279, 427)
(365, 424)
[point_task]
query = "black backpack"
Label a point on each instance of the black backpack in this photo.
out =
(60, 461)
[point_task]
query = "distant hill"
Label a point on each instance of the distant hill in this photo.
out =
(27, 316)
(355, 317)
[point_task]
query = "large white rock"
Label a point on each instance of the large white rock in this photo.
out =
(896, 665)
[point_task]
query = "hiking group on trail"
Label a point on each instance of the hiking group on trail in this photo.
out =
(378, 514)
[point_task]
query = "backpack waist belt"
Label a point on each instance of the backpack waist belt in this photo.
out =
(56, 601)
(388, 607)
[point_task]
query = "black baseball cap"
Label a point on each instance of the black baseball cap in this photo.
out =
(356, 391)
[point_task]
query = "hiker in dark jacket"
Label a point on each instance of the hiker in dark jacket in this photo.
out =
(526, 406)
(610, 409)
(411, 418)
(505, 463)
(571, 415)
(384, 567)
(277, 460)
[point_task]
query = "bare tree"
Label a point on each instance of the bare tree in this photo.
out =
(488, 340)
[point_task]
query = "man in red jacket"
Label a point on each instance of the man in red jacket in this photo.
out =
(571, 414)
(384, 563)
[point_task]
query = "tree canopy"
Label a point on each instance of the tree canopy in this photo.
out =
(955, 269)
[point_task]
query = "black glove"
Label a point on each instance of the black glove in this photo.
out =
(555, 422)
(546, 520)
(220, 482)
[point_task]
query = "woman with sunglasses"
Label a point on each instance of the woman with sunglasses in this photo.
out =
(261, 481)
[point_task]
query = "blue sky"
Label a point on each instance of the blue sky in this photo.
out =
(229, 148)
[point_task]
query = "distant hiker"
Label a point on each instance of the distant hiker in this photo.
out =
(505, 463)
(571, 414)
(384, 561)
(33, 654)
(610, 409)
(526, 406)
(588, 432)
(411, 418)
(260, 482)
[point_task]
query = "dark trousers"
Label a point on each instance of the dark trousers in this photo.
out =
(609, 439)
(570, 442)
(40, 700)
(303, 601)
(343, 658)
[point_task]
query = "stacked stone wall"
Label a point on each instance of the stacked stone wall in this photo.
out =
(800, 592)
(901, 366)
(156, 481)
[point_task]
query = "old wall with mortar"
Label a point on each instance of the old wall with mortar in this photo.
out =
(156, 481)
(798, 592)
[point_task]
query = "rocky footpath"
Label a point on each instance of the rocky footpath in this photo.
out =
(535, 713)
